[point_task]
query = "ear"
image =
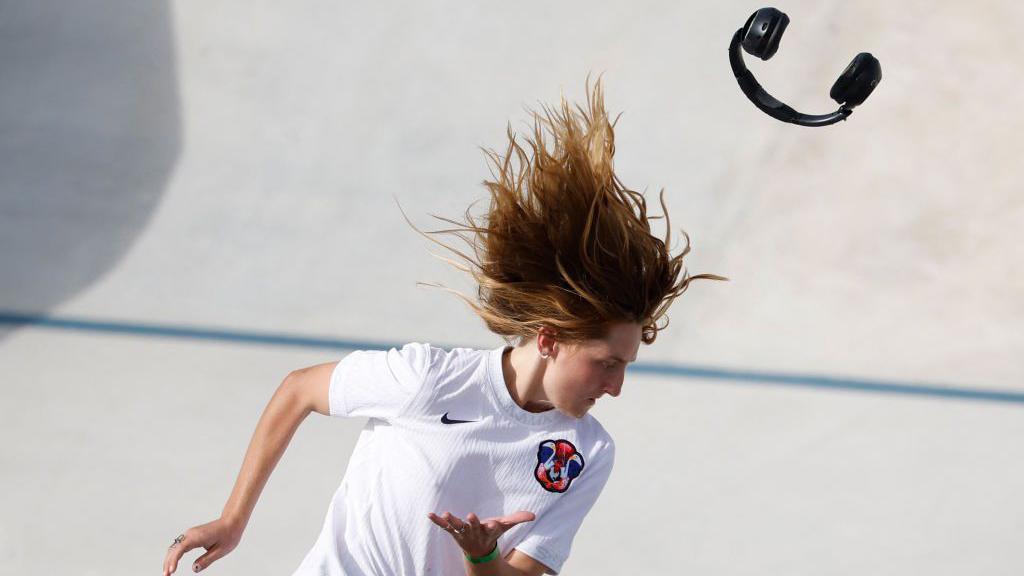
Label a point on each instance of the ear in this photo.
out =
(547, 340)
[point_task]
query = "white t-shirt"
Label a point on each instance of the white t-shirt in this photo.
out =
(408, 462)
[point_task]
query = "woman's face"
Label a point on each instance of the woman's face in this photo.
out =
(581, 373)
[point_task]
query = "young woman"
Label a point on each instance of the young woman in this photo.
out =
(486, 462)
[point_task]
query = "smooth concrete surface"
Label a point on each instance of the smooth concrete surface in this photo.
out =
(235, 166)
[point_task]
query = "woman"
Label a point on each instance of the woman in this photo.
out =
(494, 447)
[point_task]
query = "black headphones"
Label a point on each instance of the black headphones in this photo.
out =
(760, 37)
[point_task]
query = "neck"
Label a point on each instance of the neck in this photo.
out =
(524, 374)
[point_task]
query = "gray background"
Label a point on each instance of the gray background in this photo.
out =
(235, 165)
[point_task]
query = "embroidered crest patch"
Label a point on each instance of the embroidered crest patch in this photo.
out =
(558, 464)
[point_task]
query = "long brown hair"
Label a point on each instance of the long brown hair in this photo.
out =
(564, 244)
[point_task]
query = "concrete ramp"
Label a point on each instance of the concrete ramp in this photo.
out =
(198, 197)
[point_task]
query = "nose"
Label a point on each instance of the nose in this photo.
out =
(614, 388)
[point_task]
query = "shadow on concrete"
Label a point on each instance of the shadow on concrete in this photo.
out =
(89, 134)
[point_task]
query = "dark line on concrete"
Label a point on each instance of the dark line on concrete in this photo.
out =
(830, 382)
(659, 369)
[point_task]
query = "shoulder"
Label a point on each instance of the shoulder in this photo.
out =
(413, 359)
(407, 365)
(425, 358)
(595, 444)
(592, 429)
(418, 356)
(437, 370)
(602, 452)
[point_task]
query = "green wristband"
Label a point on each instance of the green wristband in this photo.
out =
(482, 559)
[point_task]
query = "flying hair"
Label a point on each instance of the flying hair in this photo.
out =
(564, 245)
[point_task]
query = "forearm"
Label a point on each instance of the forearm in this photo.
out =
(277, 425)
(497, 567)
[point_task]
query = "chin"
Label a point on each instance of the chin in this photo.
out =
(580, 412)
(573, 413)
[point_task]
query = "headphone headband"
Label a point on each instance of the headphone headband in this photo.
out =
(760, 36)
(768, 103)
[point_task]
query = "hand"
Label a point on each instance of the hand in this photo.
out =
(478, 538)
(218, 538)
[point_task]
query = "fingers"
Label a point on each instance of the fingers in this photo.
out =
(508, 521)
(474, 521)
(499, 524)
(212, 555)
(446, 520)
(519, 517)
(436, 520)
(454, 521)
(196, 537)
(487, 527)
(177, 550)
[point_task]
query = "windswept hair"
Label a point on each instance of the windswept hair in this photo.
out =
(564, 244)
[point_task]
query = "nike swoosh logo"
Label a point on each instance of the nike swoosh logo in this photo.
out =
(446, 420)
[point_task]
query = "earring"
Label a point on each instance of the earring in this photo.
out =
(544, 355)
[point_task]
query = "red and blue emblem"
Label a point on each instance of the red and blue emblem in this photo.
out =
(558, 463)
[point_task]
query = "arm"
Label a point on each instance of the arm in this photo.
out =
(302, 391)
(474, 536)
(514, 564)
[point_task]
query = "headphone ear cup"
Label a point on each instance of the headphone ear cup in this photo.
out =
(763, 31)
(857, 82)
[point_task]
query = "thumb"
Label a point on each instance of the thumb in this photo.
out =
(212, 555)
(518, 517)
